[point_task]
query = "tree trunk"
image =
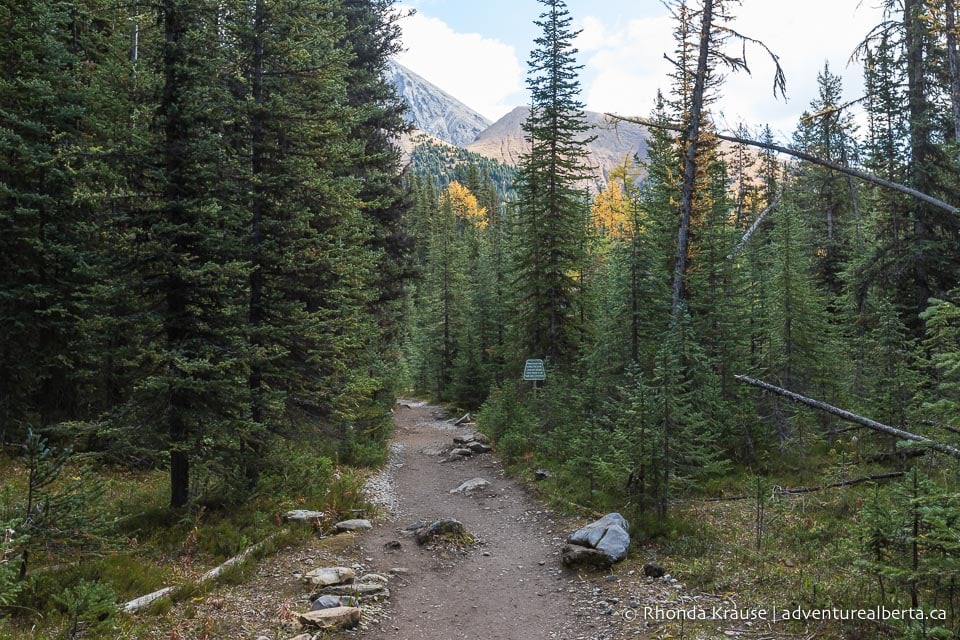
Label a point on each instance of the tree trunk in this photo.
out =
(951, 20)
(850, 171)
(175, 289)
(852, 417)
(690, 157)
(258, 206)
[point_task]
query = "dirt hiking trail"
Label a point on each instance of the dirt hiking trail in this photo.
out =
(507, 586)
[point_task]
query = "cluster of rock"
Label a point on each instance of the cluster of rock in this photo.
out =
(599, 544)
(466, 445)
(339, 596)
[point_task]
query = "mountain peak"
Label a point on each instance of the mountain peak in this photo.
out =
(435, 111)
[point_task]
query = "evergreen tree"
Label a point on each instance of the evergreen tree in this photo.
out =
(553, 210)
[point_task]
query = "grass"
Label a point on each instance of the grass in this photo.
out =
(152, 547)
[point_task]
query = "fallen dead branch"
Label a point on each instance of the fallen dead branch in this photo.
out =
(852, 417)
(863, 175)
(787, 491)
(144, 601)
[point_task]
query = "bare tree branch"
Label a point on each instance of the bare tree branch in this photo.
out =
(753, 227)
(804, 156)
(852, 417)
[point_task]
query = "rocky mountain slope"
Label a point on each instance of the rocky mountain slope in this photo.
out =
(434, 111)
(504, 141)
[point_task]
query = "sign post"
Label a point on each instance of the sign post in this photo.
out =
(534, 371)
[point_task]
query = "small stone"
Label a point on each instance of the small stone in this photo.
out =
(329, 602)
(373, 578)
(471, 485)
(541, 474)
(393, 545)
(653, 570)
(479, 447)
(337, 617)
(359, 589)
(356, 524)
(463, 453)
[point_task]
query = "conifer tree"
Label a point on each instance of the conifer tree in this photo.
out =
(553, 209)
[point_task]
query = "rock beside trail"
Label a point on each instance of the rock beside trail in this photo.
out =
(327, 576)
(445, 527)
(471, 485)
(607, 535)
(541, 474)
(654, 570)
(462, 452)
(336, 617)
(374, 578)
(329, 602)
(303, 516)
(359, 589)
(353, 525)
(573, 555)
(479, 447)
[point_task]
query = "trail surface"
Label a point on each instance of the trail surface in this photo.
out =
(507, 586)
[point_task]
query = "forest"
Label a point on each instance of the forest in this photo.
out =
(217, 276)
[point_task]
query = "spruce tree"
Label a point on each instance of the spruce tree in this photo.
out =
(553, 208)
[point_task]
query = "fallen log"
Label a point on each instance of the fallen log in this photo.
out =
(144, 601)
(852, 417)
(788, 491)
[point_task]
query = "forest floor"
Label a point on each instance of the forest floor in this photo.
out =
(508, 584)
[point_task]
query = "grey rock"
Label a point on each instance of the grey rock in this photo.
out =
(393, 545)
(573, 555)
(471, 485)
(481, 438)
(608, 534)
(356, 524)
(327, 576)
(359, 589)
(442, 527)
(463, 439)
(465, 453)
(373, 578)
(337, 617)
(435, 111)
(542, 474)
(329, 602)
(653, 570)
(479, 447)
(303, 515)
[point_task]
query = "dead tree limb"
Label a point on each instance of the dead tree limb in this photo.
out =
(942, 425)
(863, 175)
(753, 227)
(788, 491)
(852, 417)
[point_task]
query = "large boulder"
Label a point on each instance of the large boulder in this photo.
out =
(573, 555)
(333, 618)
(608, 535)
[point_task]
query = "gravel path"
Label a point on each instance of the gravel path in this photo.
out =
(507, 586)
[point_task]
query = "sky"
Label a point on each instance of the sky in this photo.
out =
(477, 51)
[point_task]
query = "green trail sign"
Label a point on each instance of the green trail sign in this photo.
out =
(533, 370)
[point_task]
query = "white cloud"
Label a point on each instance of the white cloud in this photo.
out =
(484, 73)
(625, 64)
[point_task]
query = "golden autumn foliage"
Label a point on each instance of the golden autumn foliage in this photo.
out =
(610, 212)
(464, 204)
